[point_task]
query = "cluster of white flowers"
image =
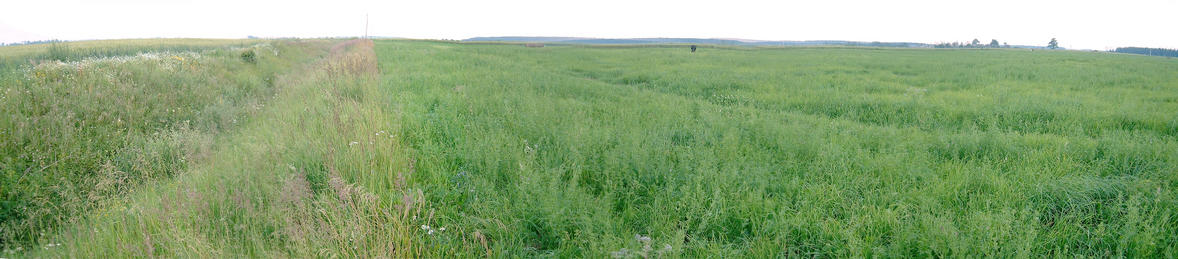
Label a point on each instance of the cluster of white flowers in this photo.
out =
(260, 48)
(645, 252)
(430, 231)
(167, 60)
(51, 245)
(391, 135)
(146, 56)
(641, 238)
(383, 133)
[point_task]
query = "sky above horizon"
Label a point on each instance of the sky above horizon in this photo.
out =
(1080, 24)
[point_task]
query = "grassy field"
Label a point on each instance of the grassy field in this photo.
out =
(438, 149)
(90, 125)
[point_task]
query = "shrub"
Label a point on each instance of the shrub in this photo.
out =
(249, 56)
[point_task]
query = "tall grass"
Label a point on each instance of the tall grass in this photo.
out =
(571, 151)
(94, 127)
(275, 186)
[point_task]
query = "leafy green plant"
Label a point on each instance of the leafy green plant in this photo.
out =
(249, 56)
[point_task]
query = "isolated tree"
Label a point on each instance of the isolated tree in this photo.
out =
(1005, 45)
(1053, 44)
(993, 43)
(975, 43)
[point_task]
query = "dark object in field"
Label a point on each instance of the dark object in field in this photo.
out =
(692, 48)
(534, 45)
(249, 57)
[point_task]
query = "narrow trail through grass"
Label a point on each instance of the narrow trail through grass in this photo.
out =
(272, 188)
(84, 128)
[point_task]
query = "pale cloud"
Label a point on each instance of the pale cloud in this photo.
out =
(1077, 24)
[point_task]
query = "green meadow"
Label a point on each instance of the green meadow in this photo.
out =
(403, 148)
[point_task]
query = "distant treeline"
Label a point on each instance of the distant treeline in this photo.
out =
(1148, 51)
(973, 44)
(31, 42)
(704, 41)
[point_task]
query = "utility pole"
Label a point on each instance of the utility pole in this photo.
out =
(365, 25)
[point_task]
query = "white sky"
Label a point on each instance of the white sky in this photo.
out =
(1079, 24)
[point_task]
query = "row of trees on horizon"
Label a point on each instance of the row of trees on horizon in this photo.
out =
(1053, 44)
(1148, 51)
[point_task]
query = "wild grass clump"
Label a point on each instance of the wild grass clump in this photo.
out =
(249, 56)
(58, 51)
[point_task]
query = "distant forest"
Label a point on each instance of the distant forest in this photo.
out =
(1148, 51)
(28, 42)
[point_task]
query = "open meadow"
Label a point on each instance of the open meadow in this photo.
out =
(407, 148)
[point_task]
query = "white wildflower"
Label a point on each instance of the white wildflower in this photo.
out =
(621, 253)
(641, 238)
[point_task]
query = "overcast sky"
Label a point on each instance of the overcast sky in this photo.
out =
(1077, 24)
